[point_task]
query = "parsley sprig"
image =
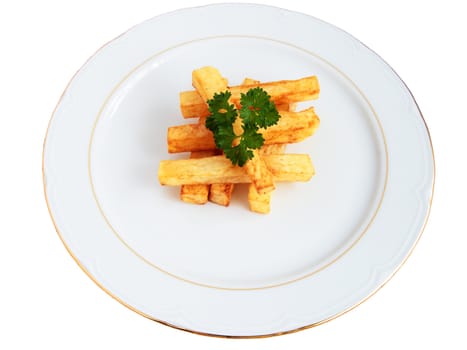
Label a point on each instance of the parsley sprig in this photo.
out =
(257, 111)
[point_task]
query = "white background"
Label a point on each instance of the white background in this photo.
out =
(46, 301)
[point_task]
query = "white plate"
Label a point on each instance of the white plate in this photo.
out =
(326, 245)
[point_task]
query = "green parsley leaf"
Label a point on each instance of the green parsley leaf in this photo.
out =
(221, 119)
(257, 111)
(252, 139)
(238, 154)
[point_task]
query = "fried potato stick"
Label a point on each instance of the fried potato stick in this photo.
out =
(261, 203)
(192, 104)
(292, 127)
(207, 81)
(218, 169)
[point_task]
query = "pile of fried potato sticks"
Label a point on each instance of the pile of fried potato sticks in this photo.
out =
(208, 175)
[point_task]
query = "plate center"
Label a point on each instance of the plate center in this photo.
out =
(310, 224)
